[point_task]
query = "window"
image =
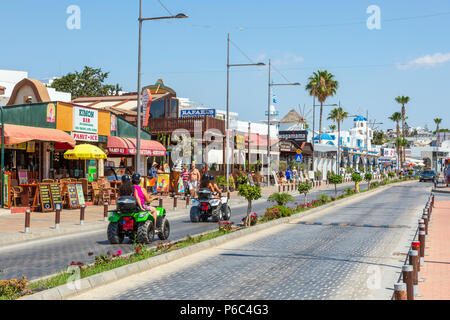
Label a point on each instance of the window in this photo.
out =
(173, 108)
(157, 109)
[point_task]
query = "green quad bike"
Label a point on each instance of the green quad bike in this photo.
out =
(129, 221)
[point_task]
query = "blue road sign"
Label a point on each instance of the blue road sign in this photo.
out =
(298, 157)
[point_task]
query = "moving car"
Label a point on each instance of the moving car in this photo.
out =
(428, 175)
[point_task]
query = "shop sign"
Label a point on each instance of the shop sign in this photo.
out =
(31, 146)
(239, 142)
(298, 135)
(85, 137)
(132, 152)
(286, 146)
(19, 146)
(388, 152)
(198, 113)
(85, 120)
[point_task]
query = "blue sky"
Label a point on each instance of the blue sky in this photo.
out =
(299, 36)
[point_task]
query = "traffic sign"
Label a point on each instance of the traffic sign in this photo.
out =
(298, 158)
(299, 151)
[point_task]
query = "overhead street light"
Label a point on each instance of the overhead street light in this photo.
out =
(138, 134)
(270, 85)
(228, 104)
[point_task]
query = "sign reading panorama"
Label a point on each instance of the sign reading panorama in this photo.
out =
(198, 113)
(293, 135)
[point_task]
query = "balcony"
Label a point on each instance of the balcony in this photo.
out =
(167, 126)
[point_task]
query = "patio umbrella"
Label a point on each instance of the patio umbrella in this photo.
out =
(85, 152)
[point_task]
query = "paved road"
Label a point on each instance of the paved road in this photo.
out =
(44, 257)
(294, 261)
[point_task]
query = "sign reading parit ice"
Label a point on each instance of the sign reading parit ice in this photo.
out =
(85, 120)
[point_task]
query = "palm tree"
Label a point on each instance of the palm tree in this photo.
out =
(321, 85)
(403, 100)
(332, 127)
(397, 117)
(338, 115)
(437, 121)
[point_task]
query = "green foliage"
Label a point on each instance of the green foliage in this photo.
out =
(281, 198)
(89, 82)
(13, 287)
(335, 179)
(241, 178)
(276, 212)
(349, 191)
(368, 177)
(356, 177)
(323, 198)
(249, 192)
(304, 187)
(391, 174)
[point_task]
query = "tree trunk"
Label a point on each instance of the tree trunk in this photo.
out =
(306, 200)
(249, 209)
(320, 123)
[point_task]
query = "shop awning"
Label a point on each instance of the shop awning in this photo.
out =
(15, 134)
(127, 146)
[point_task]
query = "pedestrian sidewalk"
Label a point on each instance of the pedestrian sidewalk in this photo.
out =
(436, 269)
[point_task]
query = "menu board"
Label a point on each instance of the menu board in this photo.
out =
(6, 189)
(45, 197)
(56, 194)
(23, 177)
(162, 184)
(73, 196)
(80, 195)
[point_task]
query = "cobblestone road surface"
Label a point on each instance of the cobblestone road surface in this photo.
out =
(294, 261)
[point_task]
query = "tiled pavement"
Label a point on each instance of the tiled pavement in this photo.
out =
(436, 269)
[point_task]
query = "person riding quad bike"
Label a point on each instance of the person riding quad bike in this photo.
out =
(209, 202)
(134, 218)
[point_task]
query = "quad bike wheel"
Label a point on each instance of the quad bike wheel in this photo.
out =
(164, 229)
(114, 234)
(145, 232)
(195, 214)
(217, 216)
(226, 212)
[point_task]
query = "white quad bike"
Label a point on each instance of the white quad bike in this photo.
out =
(206, 206)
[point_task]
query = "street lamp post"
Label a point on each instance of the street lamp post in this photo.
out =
(270, 85)
(138, 133)
(228, 105)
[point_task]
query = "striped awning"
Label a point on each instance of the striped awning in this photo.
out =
(127, 146)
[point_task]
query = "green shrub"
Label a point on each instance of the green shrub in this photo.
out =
(277, 212)
(349, 191)
(323, 198)
(335, 179)
(304, 188)
(281, 199)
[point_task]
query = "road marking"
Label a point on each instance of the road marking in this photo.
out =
(346, 224)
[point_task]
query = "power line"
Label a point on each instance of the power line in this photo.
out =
(162, 5)
(342, 24)
(242, 52)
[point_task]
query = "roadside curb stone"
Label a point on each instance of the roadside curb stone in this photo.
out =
(59, 293)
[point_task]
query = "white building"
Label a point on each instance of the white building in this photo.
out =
(356, 149)
(9, 79)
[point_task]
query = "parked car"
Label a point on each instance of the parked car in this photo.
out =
(428, 175)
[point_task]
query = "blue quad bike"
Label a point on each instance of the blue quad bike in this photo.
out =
(129, 221)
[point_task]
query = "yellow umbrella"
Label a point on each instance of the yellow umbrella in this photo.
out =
(85, 152)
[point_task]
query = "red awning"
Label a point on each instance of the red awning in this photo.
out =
(127, 146)
(15, 134)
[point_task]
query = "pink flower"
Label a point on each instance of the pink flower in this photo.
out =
(119, 252)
